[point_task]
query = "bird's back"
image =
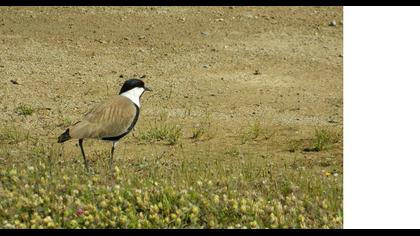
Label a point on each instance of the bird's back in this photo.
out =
(111, 118)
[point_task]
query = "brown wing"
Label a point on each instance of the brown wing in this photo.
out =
(109, 119)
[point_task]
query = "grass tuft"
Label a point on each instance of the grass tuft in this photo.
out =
(323, 139)
(256, 131)
(24, 110)
(166, 133)
(197, 132)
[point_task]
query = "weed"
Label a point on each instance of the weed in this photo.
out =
(197, 132)
(24, 110)
(67, 121)
(169, 134)
(322, 140)
(256, 131)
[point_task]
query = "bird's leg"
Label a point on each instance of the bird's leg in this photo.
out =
(83, 153)
(114, 144)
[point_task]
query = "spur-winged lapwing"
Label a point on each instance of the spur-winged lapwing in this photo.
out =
(111, 120)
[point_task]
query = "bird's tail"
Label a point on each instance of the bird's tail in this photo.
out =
(64, 137)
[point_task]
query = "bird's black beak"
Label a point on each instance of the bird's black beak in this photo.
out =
(147, 89)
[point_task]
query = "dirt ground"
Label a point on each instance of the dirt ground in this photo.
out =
(66, 59)
(228, 66)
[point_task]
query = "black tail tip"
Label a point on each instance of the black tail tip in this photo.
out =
(64, 137)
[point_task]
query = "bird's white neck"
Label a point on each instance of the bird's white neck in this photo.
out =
(134, 95)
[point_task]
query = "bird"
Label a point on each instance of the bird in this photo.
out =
(110, 120)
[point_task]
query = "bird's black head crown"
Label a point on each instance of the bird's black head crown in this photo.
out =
(132, 83)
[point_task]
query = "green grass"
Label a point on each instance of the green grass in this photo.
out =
(67, 121)
(24, 110)
(323, 139)
(197, 132)
(203, 131)
(256, 131)
(165, 133)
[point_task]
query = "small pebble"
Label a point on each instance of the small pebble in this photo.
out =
(333, 23)
(14, 81)
(257, 72)
(206, 66)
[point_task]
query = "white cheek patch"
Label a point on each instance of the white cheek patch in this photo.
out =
(134, 95)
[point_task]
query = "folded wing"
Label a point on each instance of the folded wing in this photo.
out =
(109, 119)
